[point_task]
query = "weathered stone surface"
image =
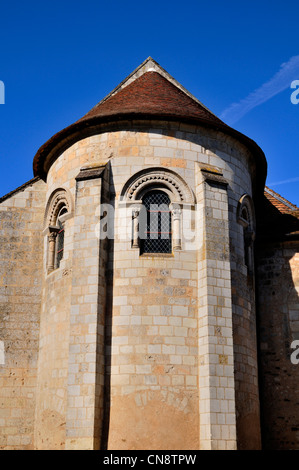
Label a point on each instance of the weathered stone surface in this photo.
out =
(278, 307)
(109, 347)
(21, 255)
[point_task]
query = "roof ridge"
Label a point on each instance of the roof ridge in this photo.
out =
(19, 189)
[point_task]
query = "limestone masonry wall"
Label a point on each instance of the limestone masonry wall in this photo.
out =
(21, 252)
(178, 329)
(278, 314)
(152, 316)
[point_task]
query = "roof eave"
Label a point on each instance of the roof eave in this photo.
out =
(86, 127)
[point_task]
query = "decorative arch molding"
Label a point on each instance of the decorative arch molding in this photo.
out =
(165, 180)
(246, 212)
(59, 198)
(157, 178)
(59, 209)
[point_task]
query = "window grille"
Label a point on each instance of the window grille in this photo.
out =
(155, 223)
(60, 243)
(60, 238)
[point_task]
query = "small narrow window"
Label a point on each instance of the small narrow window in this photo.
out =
(246, 245)
(58, 211)
(60, 237)
(56, 240)
(155, 223)
(245, 217)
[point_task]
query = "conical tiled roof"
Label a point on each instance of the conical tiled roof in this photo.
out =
(149, 93)
(152, 95)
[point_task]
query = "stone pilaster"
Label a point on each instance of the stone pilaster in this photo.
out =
(216, 369)
(86, 348)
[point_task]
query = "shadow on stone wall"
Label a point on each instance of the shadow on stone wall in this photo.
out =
(278, 326)
(108, 327)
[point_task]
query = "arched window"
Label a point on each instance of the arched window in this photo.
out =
(155, 223)
(59, 209)
(246, 219)
(60, 237)
(56, 239)
(156, 197)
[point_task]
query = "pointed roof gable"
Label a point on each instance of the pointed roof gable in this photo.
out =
(151, 90)
(151, 94)
(148, 93)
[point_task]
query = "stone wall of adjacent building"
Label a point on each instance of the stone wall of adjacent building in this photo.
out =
(278, 318)
(21, 222)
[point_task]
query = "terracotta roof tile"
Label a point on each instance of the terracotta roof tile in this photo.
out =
(152, 94)
(144, 95)
(278, 218)
(282, 204)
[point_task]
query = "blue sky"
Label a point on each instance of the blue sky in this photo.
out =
(58, 59)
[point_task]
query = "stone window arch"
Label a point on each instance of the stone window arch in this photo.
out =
(246, 218)
(157, 186)
(59, 209)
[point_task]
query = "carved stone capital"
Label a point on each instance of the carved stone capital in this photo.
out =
(52, 232)
(135, 212)
(176, 213)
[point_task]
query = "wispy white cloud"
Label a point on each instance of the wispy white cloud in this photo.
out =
(288, 72)
(290, 180)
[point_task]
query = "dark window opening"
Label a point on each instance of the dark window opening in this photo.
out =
(60, 238)
(155, 226)
(60, 243)
(246, 248)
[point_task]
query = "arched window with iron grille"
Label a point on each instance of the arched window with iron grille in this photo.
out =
(155, 223)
